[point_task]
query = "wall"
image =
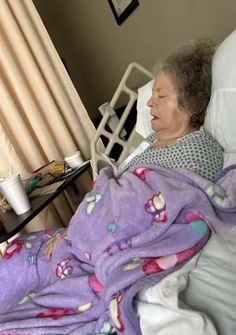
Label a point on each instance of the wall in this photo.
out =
(97, 50)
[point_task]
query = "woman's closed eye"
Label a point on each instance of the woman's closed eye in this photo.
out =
(158, 95)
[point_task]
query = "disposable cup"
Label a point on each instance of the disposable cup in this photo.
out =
(74, 160)
(13, 190)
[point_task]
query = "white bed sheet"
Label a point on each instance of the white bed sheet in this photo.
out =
(207, 304)
(161, 312)
(212, 283)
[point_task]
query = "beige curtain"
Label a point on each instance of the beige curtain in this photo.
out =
(41, 115)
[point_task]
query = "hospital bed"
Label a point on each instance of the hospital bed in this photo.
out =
(200, 298)
(144, 265)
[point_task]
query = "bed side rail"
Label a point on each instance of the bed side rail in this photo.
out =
(117, 125)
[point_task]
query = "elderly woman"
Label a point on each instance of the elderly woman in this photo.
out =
(180, 95)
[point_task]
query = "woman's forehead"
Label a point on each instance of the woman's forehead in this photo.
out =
(163, 81)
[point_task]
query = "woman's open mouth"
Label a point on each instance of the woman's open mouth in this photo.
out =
(154, 118)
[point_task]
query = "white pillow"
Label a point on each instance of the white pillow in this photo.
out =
(220, 120)
(143, 124)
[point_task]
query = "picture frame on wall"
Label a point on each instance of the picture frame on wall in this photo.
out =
(122, 9)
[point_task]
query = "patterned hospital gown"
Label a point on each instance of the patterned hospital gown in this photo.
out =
(197, 151)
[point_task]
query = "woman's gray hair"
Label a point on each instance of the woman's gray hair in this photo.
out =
(189, 68)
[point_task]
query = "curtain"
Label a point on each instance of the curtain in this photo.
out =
(41, 115)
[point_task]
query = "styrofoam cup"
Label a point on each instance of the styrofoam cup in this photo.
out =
(13, 190)
(74, 160)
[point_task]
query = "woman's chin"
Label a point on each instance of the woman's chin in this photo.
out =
(155, 125)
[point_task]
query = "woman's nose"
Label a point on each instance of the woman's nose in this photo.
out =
(149, 102)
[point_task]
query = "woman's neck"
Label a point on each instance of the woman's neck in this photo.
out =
(167, 139)
(163, 136)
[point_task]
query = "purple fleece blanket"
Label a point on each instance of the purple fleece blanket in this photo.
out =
(127, 234)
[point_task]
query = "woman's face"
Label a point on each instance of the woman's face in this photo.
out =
(168, 119)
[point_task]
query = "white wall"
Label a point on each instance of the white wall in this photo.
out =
(97, 50)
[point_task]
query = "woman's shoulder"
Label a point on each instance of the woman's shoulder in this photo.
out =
(202, 146)
(203, 154)
(202, 139)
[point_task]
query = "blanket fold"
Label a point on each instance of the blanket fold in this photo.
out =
(127, 234)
